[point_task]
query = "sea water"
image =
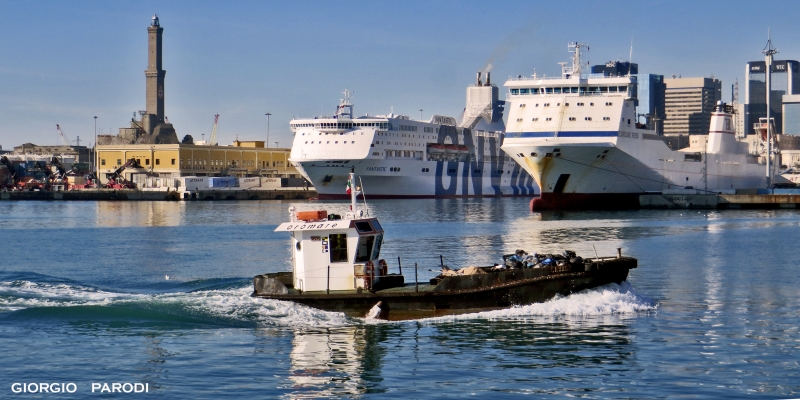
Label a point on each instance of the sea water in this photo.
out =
(94, 294)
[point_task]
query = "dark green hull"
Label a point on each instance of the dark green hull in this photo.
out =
(456, 294)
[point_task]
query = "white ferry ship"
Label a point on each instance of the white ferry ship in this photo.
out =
(578, 137)
(399, 157)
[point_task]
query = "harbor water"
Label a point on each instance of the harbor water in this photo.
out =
(158, 293)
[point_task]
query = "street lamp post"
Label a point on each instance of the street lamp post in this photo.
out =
(96, 156)
(268, 114)
(420, 114)
(276, 144)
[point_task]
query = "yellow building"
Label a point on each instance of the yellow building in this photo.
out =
(242, 159)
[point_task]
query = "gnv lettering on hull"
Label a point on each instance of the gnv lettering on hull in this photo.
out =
(378, 169)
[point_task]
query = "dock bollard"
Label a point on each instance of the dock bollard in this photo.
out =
(619, 252)
(416, 279)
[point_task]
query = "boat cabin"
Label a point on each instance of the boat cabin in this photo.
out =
(330, 253)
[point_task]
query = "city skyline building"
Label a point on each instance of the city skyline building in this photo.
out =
(784, 82)
(688, 104)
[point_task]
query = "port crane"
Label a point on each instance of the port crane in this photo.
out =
(213, 139)
(115, 179)
(62, 135)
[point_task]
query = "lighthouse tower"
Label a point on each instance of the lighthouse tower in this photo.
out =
(157, 130)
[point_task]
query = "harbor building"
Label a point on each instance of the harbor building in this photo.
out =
(241, 159)
(688, 104)
(784, 82)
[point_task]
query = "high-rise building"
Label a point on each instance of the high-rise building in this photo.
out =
(688, 104)
(784, 82)
(648, 91)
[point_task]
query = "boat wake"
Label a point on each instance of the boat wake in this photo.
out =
(612, 301)
(228, 306)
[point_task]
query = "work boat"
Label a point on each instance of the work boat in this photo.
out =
(336, 266)
(397, 156)
(578, 136)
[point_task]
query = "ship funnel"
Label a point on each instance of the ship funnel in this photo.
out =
(487, 78)
(478, 82)
(721, 131)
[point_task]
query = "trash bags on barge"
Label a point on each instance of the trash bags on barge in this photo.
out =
(521, 259)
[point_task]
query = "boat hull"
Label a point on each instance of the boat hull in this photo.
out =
(466, 294)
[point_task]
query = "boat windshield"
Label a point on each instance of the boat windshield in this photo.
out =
(376, 250)
(364, 248)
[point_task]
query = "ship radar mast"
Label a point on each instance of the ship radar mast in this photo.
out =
(345, 108)
(575, 70)
(768, 52)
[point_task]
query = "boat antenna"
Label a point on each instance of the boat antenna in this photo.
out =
(363, 195)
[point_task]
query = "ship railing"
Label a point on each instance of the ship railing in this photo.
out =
(547, 78)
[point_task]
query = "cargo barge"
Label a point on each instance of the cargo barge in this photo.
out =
(336, 266)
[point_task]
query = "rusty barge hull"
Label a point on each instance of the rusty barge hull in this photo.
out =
(456, 294)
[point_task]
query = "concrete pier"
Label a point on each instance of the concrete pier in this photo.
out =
(158, 195)
(742, 199)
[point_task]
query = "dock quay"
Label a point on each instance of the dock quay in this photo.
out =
(158, 195)
(740, 199)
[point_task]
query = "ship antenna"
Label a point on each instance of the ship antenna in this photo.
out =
(630, 58)
(363, 195)
(575, 47)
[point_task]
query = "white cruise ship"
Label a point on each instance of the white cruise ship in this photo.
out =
(577, 135)
(395, 156)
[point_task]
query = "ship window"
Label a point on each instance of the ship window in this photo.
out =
(549, 90)
(623, 89)
(606, 119)
(376, 249)
(572, 118)
(514, 91)
(587, 118)
(612, 89)
(363, 226)
(557, 90)
(573, 90)
(548, 119)
(338, 242)
(364, 249)
(523, 91)
(377, 225)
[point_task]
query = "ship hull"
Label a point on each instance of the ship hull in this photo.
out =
(388, 179)
(466, 294)
(611, 175)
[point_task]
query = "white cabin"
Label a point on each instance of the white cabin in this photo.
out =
(329, 253)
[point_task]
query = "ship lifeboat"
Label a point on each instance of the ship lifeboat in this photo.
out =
(436, 148)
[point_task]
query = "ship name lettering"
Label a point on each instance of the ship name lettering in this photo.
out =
(380, 169)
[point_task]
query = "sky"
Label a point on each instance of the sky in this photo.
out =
(65, 62)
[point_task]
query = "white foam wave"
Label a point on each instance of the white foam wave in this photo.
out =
(19, 295)
(234, 304)
(608, 301)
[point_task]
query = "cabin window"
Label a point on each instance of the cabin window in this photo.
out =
(338, 247)
(363, 226)
(376, 250)
(364, 249)
(377, 225)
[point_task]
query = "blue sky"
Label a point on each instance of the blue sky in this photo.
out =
(65, 62)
